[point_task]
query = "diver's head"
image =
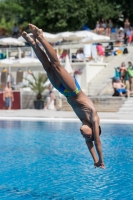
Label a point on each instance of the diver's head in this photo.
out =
(87, 131)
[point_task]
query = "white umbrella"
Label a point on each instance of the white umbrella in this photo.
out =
(65, 35)
(68, 65)
(48, 36)
(95, 38)
(11, 41)
(27, 62)
(52, 38)
(7, 61)
(78, 35)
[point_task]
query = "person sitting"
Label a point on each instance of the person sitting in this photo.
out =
(80, 55)
(126, 25)
(120, 88)
(103, 26)
(109, 27)
(120, 36)
(97, 29)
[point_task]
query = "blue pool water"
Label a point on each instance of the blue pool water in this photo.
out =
(50, 161)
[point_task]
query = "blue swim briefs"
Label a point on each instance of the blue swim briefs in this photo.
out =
(68, 93)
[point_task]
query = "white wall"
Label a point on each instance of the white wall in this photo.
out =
(89, 71)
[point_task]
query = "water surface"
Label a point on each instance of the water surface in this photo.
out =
(50, 160)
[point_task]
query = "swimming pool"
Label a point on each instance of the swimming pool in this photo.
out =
(49, 160)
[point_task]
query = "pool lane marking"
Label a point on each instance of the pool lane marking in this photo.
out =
(116, 121)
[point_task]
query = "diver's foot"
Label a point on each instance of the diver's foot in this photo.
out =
(35, 31)
(29, 39)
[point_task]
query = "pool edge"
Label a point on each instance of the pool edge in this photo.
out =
(116, 121)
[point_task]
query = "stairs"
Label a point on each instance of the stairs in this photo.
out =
(127, 107)
(101, 103)
(104, 78)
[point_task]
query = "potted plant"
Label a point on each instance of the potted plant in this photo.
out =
(37, 85)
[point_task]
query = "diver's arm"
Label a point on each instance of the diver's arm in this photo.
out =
(97, 142)
(92, 151)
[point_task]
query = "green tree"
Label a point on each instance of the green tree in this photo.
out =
(59, 15)
(125, 7)
(100, 9)
(55, 16)
(9, 13)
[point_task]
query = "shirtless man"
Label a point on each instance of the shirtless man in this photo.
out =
(121, 88)
(8, 97)
(67, 85)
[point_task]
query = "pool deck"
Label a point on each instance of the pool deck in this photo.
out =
(31, 114)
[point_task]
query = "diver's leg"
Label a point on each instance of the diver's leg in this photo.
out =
(64, 77)
(44, 60)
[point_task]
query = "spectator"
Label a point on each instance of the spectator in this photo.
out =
(126, 25)
(73, 57)
(120, 88)
(117, 72)
(129, 35)
(120, 34)
(123, 72)
(80, 55)
(63, 55)
(120, 37)
(103, 26)
(97, 29)
(125, 39)
(109, 27)
(130, 75)
(100, 51)
(8, 97)
(51, 103)
(15, 31)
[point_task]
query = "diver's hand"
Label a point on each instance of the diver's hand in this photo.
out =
(99, 164)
